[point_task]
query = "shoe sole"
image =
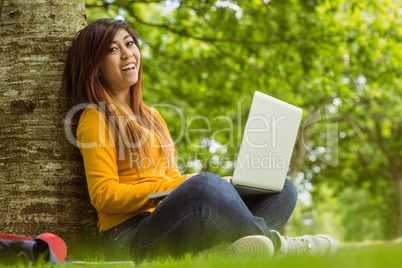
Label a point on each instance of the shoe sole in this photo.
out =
(251, 246)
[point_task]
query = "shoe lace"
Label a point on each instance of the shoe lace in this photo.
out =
(297, 245)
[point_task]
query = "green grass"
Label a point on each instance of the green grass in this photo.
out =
(351, 255)
(364, 255)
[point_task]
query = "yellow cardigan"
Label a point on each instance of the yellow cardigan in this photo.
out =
(115, 189)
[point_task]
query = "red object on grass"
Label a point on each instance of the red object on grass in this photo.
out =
(56, 244)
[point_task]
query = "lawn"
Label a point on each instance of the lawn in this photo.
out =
(364, 255)
(357, 255)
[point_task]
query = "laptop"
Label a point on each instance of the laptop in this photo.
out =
(266, 149)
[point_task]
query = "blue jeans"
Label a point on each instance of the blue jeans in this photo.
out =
(202, 212)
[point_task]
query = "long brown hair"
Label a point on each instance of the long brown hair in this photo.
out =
(82, 83)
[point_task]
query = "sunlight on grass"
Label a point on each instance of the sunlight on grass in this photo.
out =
(367, 255)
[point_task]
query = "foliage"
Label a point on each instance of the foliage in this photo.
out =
(206, 58)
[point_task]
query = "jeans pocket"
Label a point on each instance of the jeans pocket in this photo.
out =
(116, 245)
(118, 241)
(123, 238)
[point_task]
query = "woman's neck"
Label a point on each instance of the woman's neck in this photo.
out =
(123, 100)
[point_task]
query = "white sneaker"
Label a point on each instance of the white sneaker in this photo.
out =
(251, 246)
(312, 245)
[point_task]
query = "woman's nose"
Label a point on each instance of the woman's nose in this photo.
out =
(126, 53)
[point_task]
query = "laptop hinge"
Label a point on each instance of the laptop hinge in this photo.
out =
(248, 190)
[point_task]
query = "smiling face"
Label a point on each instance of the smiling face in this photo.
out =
(119, 69)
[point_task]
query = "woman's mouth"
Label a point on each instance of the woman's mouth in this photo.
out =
(128, 67)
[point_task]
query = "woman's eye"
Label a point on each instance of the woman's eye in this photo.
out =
(113, 49)
(130, 43)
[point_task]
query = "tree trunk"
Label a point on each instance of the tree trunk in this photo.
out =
(297, 164)
(399, 185)
(301, 151)
(43, 185)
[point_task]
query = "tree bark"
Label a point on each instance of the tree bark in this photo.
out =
(399, 185)
(297, 163)
(42, 178)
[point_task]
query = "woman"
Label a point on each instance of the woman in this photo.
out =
(128, 154)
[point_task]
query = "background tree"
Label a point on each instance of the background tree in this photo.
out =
(42, 179)
(339, 58)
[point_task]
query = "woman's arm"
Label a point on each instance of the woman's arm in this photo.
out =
(108, 192)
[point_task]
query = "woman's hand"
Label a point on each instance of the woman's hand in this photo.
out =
(191, 175)
(227, 178)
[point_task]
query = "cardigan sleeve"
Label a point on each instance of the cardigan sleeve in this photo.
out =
(108, 193)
